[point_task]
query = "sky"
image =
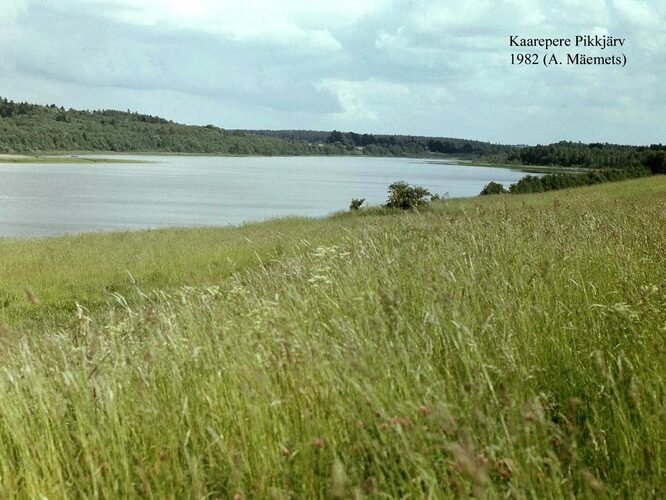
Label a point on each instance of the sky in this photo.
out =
(432, 67)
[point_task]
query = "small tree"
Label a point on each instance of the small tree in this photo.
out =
(356, 203)
(404, 196)
(493, 188)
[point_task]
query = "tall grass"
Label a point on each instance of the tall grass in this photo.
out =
(502, 347)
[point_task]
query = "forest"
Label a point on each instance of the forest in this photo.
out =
(30, 128)
(594, 155)
(392, 144)
(36, 128)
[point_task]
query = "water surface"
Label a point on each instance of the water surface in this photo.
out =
(51, 199)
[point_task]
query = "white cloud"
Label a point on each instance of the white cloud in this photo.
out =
(579, 12)
(362, 99)
(375, 103)
(479, 14)
(412, 66)
(638, 12)
(10, 9)
(286, 22)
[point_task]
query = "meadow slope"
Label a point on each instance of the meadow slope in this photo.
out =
(495, 346)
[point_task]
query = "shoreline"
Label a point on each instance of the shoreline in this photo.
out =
(13, 159)
(86, 157)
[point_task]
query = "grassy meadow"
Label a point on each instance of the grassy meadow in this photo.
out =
(500, 346)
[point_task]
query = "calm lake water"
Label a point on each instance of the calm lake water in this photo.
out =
(51, 199)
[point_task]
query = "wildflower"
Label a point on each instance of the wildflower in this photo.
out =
(423, 410)
(402, 422)
(505, 467)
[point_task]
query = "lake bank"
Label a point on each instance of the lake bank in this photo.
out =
(117, 157)
(57, 159)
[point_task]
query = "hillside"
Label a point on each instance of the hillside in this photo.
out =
(385, 144)
(28, 128)
(31, 128)
(501, 346)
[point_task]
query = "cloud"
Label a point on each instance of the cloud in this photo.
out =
(477, 15)
(10, 10)
(637, 12)
(113, 54)
(361, 99)
(410, 66)
(286, 22)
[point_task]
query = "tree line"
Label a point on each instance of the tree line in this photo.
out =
(391, 144)
(28, 128)
(552, 182)
(594, 155)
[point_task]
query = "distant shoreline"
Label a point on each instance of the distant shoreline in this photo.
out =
(84, 157)
(48, 158)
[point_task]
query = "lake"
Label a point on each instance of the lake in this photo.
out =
(52, 199)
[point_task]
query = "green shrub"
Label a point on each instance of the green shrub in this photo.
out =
(551, 182)
(356, 203)
(493, 188)
(406, 197)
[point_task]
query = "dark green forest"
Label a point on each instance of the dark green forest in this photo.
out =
(27, 128)
(33, 128)
(392, 145)
(594, 155)
(561, 154)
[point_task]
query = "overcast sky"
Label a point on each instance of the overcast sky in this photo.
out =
(414, 67)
